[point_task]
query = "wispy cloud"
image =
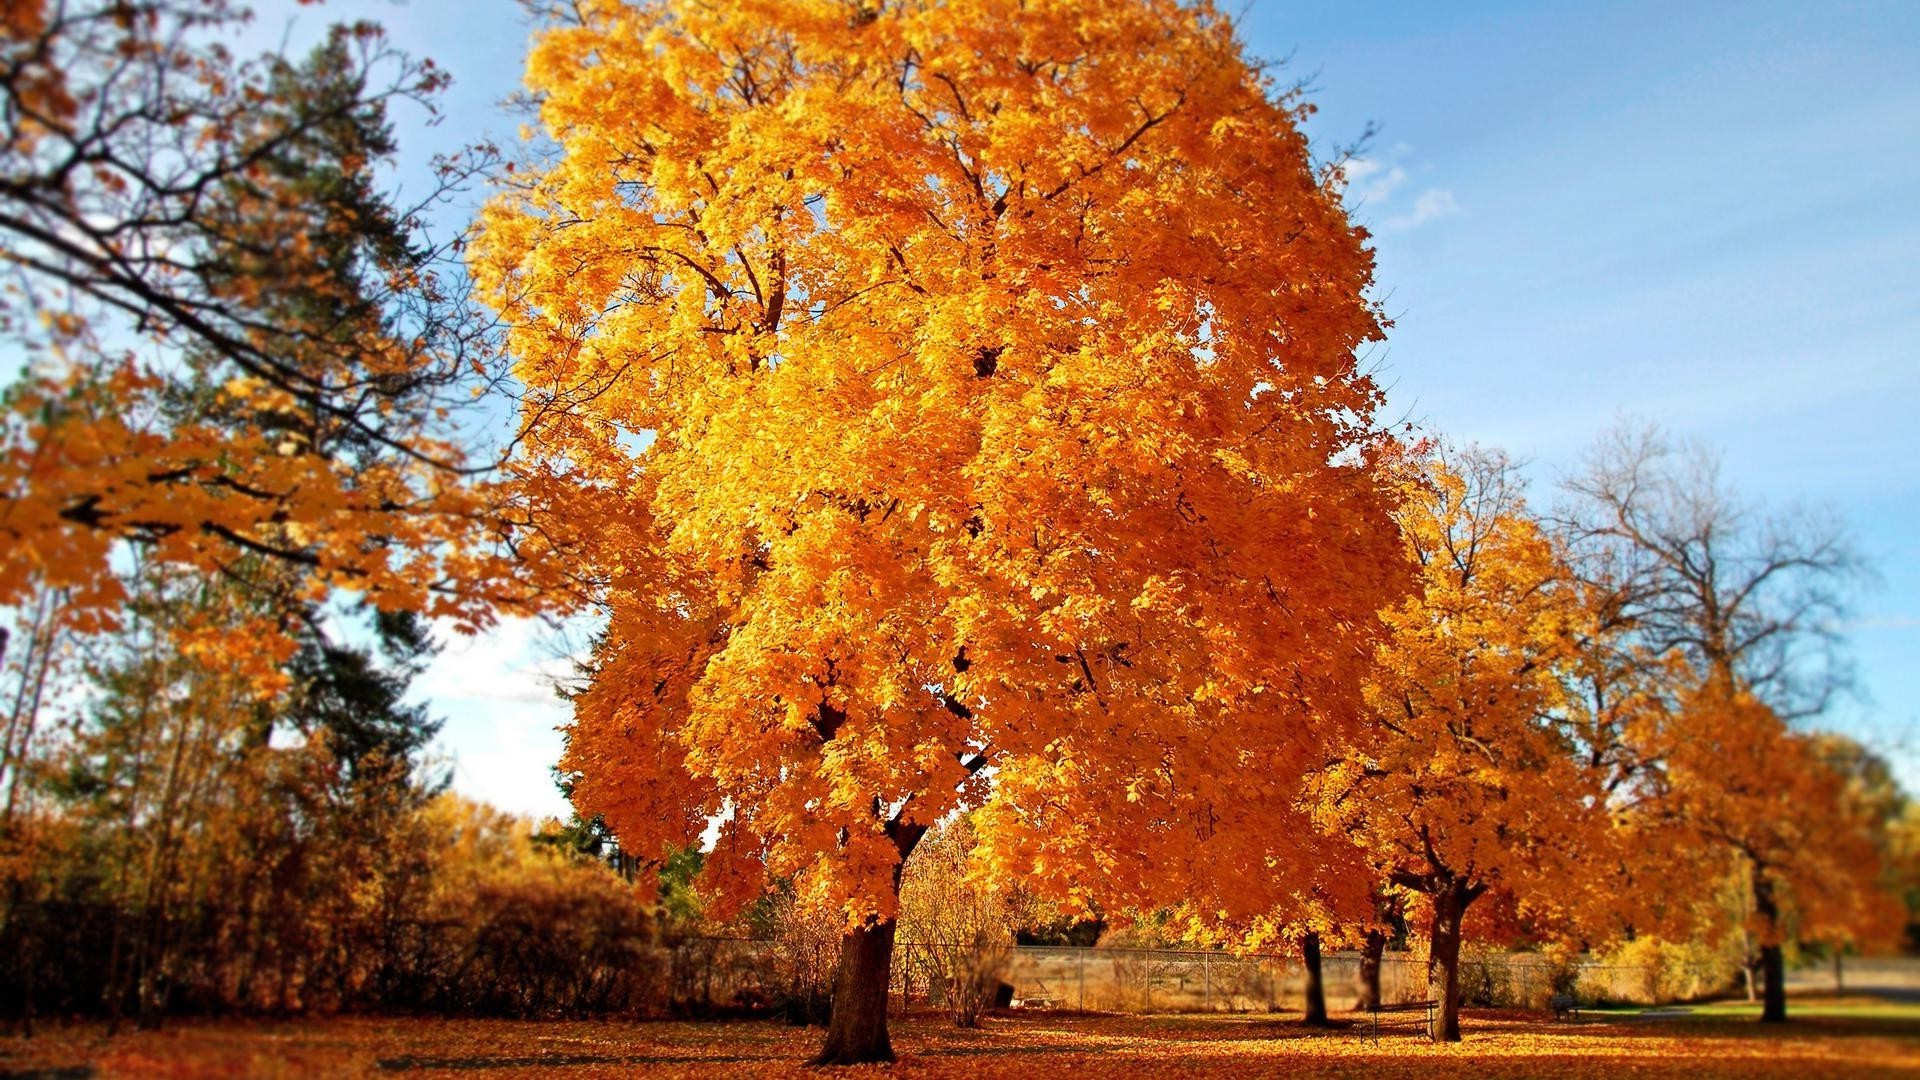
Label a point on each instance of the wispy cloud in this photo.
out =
(1429, 205)
(1377, 184)
(1370, 181)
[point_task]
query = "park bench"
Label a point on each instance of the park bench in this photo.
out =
(1420, 1015)
(1565, 1007)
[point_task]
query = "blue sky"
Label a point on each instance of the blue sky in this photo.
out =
(1707, 215)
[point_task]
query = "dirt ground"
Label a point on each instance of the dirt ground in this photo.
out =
(1841, 1038)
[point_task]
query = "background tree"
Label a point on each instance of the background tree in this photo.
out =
(1751, 596)
(1903, 868)
(1736, 609)
(1467, 780)
(1743, 781)
(236, 811)
(246, 370)
(950, 386)
(964, 922)
(1330, 905)
(1389, 923)
(237, 344)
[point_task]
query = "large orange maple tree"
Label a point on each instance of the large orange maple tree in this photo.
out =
(964, 400)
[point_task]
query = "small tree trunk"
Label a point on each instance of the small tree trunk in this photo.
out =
(1370, 953)
(857, 1030)
(1316, 988)
(1773, 960)
(1449, 906)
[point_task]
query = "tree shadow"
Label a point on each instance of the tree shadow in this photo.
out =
(1731, 1028)
(555, 1061)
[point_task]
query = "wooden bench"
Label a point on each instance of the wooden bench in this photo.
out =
(1403, 1015)
(1565, 1007)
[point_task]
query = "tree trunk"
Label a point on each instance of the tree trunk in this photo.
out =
(1773, 960)
(857, 1030)
(1370, 954)
(1316, 988)
(1443, 969)
(1773, 1008)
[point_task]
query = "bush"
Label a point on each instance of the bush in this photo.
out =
(449, 907)
(1653, 971)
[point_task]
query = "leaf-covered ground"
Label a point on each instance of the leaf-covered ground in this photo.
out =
(1848, 1038)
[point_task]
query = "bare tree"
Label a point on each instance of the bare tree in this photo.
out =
(1748, 600)
(1752, 595)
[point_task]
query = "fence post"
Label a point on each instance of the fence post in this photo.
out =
(1083, 980)
(1839, 980)
(1206, 980)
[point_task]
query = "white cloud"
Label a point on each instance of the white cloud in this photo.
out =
(1885, 622)
(518, 660)
(1370, 181)
(495, 692)
(1357, 169)
(1430, 204)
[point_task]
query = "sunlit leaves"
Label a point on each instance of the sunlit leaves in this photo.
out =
(949, 384)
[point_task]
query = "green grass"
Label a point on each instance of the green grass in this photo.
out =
(1809, 1008)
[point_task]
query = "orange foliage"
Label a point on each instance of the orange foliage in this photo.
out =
(950, 386)
(236, 345)
(1464, 782)
(1016, 1048)
(1742, 780)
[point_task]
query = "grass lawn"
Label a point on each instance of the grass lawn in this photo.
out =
(1845, 1037)
(1897, 1013)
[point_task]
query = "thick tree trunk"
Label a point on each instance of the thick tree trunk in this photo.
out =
(1316, 991)
(1773, 1009)
(1370, 953)
(1775, 1002)
(857, 1030)
(1443, 972)
(1773, 961)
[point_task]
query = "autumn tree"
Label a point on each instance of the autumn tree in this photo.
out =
(964, 922)
(1873, 798)
(965, 403)
(1467, 779)
(237, 343)
(1735, 609)
(1747, 785)
(1387, 920)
